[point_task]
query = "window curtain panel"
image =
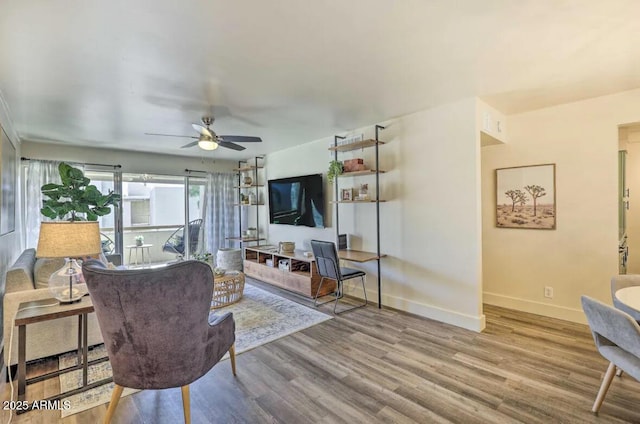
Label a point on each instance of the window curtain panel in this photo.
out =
(39, 173)
(219, 215)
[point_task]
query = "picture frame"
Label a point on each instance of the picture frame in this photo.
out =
(346, 195)
(526, 197)
(8, 174)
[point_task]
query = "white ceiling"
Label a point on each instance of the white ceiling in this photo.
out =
(102, 73)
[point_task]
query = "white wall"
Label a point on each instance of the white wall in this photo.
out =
(430, 224)
(580, 256)
(9, 243)
(492, 123)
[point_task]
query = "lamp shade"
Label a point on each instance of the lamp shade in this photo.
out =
(68, 239)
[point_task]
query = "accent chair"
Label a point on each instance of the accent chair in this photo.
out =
(156, 329)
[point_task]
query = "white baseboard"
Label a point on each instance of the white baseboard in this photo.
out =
(469, 322)
(539, 308)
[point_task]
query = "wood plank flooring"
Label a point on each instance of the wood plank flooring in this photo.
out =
(386, 366)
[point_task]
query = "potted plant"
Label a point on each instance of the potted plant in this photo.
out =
(139, 240)
(75, 200)
(76, 197)
(204, 257)
(335, 169)
(207, 257)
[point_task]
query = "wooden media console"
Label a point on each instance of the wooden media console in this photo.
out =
(290, 271)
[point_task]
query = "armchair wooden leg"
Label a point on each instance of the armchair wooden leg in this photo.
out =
(606, 382)
(232, 358)
(115, 397)
(186, 404)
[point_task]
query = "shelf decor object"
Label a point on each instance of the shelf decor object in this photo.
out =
(335, 170)
(346, 194)
(526, 197)
(69, 240)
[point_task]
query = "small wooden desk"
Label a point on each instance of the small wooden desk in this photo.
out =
(630, 296)
(39, 311)
(358, 255)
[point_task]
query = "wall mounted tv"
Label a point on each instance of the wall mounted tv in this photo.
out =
(297, 201)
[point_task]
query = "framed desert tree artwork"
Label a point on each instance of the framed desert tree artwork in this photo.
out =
(526, 197)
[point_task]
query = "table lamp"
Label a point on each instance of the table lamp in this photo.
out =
(69, 240)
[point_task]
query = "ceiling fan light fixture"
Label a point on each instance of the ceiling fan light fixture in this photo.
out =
(207, 143)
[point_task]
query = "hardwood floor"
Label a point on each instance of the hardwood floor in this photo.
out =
(386, 366)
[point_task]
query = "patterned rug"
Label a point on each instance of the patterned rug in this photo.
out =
(261, 317)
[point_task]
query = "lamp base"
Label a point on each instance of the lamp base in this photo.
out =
(68, 302)
(67, 284)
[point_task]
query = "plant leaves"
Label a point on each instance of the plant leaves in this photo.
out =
(50, 187)
(48, 212)
(75, 197)
(102, 211)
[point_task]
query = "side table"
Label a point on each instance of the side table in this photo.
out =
(227, 289)
(38, 311)
(141, 248)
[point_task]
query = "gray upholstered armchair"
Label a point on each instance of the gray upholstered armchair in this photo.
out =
(155, 326)
(617, 337)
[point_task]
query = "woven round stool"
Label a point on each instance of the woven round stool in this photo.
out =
(227, 289)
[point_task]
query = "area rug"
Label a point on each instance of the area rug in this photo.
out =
(261, 317)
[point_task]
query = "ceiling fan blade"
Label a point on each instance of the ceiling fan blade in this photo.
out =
(202, 130)
(171, 135)
(240, 138)
(229, 145)
(189, 145)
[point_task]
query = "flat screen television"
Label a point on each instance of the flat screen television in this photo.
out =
(297, 201)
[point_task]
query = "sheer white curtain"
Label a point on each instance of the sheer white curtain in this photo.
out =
(219, 216)
(39, 173)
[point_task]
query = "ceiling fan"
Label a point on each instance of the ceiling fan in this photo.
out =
(209, 140)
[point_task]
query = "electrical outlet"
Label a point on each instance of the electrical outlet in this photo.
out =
(548, 292)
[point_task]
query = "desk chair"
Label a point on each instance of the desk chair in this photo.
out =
(327, 261)
(155, 326)
(617, 337)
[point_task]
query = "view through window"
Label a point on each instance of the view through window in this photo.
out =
(153, 217)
